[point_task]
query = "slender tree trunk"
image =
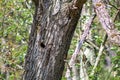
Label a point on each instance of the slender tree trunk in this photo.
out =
(51, 33)
(107, 23)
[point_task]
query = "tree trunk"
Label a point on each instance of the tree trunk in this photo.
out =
(51, 33)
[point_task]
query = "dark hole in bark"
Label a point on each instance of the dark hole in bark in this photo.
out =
(42, 45)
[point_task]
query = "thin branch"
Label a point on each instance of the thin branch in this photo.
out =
(99, 55)
(118, 11)
(97, 59)
(68, 66)
(84, 35)
(111, 4)
(92, 44)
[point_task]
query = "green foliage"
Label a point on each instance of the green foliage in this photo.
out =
(116, 61)
(15, 21)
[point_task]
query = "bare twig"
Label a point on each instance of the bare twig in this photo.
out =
(118, 11)
(97, 59)
(109, 3)
(92, 44)
(83, 70)
(99, 55)
(72, 61)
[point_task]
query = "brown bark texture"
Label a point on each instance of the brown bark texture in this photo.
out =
(51, 33)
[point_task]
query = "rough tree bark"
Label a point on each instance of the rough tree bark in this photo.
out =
(53, 27)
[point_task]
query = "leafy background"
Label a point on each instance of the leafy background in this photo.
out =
(15, 21)
(16, 17)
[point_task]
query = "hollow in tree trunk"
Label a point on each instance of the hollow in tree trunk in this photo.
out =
(51, 33)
